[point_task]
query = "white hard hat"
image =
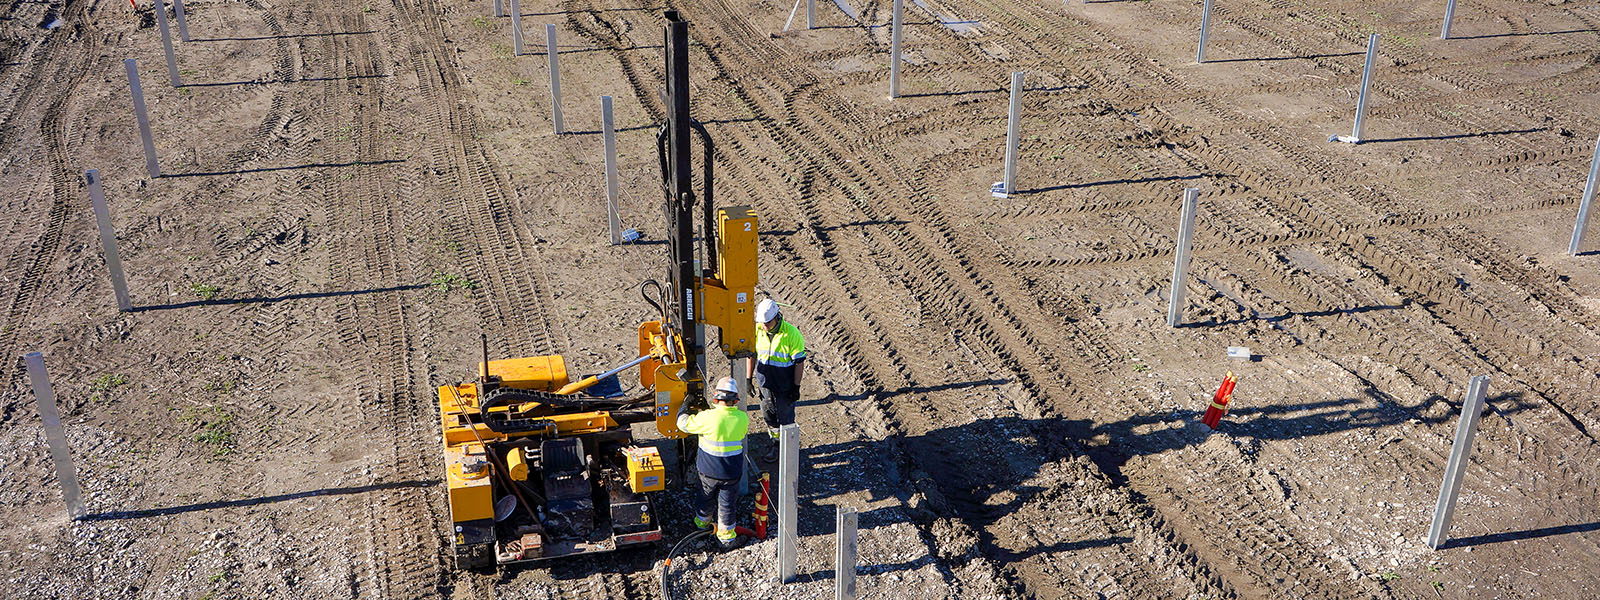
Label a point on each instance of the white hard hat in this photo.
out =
(727, 384)
(766, 311)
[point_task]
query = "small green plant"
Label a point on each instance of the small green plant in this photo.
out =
(221, 385)
(519, 80)
(1138, 364)
(481, 23)
(108, 382)
(215, 431)
(1389, 576)
(204, 291)
(444, 282)
(1438, 587)
(102, 385)
(368, 9)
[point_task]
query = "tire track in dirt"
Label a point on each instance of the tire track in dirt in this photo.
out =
(402, 545)
(479, 202)
(71, 66)
(1303, 161)
(1322, 170)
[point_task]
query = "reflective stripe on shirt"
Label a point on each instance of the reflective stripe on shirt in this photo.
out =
(716, 448)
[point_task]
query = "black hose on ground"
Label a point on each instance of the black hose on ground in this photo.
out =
(666, 565)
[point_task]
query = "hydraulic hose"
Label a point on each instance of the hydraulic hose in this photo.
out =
(666, 565)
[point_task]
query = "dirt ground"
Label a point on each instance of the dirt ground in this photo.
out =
(993, 384)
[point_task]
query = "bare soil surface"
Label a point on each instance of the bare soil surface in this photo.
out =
(354, 189)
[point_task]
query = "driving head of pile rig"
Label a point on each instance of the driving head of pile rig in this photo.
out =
(539, 466)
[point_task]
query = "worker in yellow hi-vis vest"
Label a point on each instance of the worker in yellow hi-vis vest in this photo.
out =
(721, 458)
(777, 366)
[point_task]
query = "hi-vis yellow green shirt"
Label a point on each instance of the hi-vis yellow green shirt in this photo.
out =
(721, 430)
(779, 354)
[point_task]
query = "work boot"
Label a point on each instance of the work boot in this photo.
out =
(701, 524)
(730, 543)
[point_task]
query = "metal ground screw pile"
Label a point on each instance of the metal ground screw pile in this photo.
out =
(1449, 15)
(516, 29)
(1205, 32)
(788, 477)
(844, 555)
(555, 78)
(1361, 102)
(1180, 264)
(894, 51)
(1460, 451)
(108, 238)
(183, 26)
(166, 43)
(608, 131)
(53, 432)
(150, 164)
(1586, 202)
(1013, 133)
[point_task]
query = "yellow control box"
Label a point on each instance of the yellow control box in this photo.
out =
(646, 473)
(471, 491)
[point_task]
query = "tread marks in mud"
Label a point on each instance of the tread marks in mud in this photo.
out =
(66, 187)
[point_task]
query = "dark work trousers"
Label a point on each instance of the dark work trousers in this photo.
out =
(724, 493)
(777, 406)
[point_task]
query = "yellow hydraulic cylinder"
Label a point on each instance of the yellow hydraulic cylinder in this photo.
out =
(517, 463)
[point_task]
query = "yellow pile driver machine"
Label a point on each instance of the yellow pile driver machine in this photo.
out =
(539, 466)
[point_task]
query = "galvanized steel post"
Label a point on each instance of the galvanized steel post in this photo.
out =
(1205, 31)
(1366, 87)
(811, 14)
(1180, 265)
(108, 238)
(166, 43)
(844, 555)
(555, 77)
(1013, 131)
(139, 114)
(1466, 429)
(608, 131)
(183, 26)
(788, 478)
(516, 29)
(55, 434)
(894, 52)
(1586, 202)
(499, 8)
(1449, 15)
